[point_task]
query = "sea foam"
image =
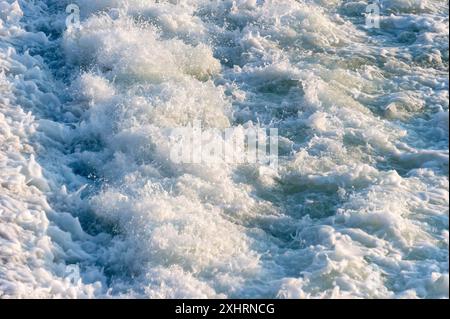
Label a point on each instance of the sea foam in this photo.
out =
(92, 206)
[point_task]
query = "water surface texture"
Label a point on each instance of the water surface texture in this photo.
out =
(91, 206)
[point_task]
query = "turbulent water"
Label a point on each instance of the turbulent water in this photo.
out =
(91, 206)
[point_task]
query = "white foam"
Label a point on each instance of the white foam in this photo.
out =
(91, 204)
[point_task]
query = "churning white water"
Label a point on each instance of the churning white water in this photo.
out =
(92, 206)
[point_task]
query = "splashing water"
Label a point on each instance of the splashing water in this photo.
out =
(91, 205)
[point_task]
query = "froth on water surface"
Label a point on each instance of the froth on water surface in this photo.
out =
(93, 206)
